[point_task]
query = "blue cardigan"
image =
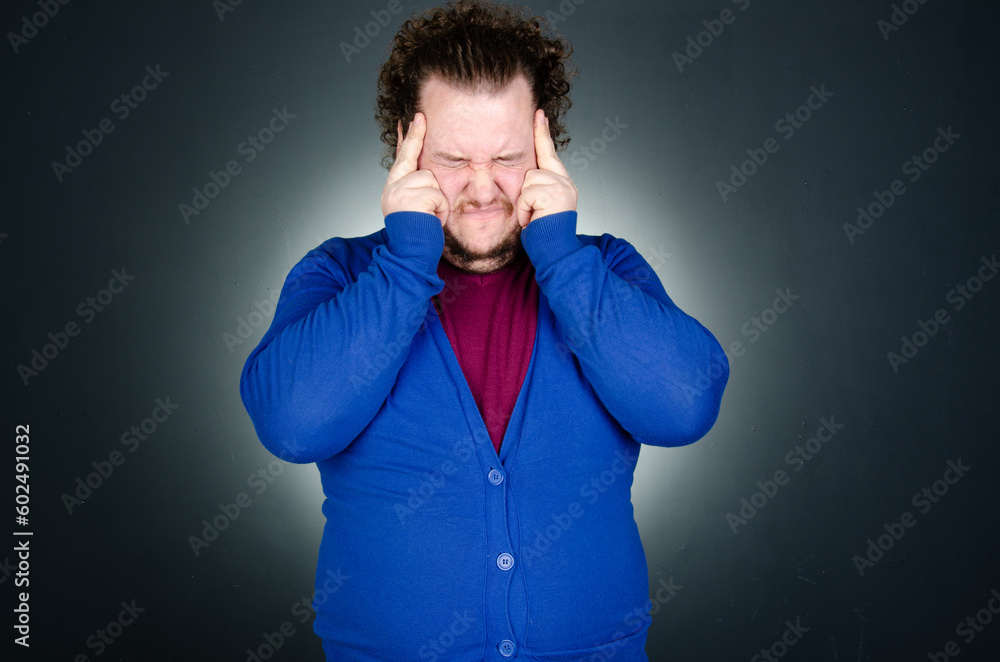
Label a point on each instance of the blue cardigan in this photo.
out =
(436, 548)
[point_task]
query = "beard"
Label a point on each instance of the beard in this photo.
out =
(497, 256)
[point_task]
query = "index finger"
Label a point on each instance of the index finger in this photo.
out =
(545, 149)
(409, 149)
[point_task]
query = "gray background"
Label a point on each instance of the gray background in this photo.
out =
(164, 336)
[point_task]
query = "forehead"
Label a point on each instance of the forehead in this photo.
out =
(476, 124)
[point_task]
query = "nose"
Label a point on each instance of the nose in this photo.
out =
(481, 186)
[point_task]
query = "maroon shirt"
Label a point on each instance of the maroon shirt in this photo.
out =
(490, 320)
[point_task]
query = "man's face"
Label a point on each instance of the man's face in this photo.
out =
(479, 147)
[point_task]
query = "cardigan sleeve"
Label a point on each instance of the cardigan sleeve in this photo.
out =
(336, 343)
(657, 370)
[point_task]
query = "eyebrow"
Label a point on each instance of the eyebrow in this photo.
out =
(510, 156)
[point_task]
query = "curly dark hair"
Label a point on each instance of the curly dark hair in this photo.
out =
(474, 45)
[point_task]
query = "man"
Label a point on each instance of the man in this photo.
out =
(477, 455)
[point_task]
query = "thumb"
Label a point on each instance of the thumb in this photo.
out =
(524, 209)
(443, 209)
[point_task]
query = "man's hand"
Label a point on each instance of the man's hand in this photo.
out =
(547, 190)
(407, 188)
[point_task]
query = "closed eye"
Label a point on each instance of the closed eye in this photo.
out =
(506, 162)
(512, 159)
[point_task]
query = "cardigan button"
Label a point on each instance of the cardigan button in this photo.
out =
(506, 647)
(505, 561)
(495, 477)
